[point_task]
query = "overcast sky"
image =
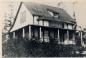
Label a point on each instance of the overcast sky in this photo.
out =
(80, 8)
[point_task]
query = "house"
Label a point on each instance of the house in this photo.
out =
(43, 23)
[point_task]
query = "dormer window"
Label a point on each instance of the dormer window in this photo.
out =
(51, 13)
(54, 14)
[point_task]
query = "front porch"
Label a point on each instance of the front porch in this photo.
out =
(45, 34)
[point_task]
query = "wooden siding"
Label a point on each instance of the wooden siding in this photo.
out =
(24, 18)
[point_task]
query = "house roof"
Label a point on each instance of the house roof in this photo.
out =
(42, 10)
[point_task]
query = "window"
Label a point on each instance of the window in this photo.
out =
(65, 26)
(54, 14)
(46, 37)
(70, 26)
(46, 23)
(36, 33)
(35, 20)
(51, 13)
(51, 35)
(41, 22)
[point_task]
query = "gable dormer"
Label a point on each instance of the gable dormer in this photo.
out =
(54, 14)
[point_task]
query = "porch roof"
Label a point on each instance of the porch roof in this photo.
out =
(47, 27)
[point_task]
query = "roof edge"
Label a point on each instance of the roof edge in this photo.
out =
(16, 16)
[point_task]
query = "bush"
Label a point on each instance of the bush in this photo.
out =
(22, 47)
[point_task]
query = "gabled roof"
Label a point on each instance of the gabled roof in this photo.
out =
(42, 10)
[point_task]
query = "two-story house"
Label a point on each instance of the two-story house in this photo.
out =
(43, 23)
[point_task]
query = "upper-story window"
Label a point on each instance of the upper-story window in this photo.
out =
(70, 26)
(46, 23)
(35, 19)
(40, 22)
(51, 13)
(65, 26)
(54, 14)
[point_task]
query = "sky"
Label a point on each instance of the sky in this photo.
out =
(79, 8)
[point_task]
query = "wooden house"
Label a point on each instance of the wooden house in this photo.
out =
(43, 23)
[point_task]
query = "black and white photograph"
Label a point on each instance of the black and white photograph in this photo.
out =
(43, 28)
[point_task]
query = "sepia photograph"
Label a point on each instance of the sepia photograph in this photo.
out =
(44, 28)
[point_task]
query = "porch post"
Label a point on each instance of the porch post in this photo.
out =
(13, 34)
(67, 35)
(80, 33)
(74, 37)
(40, 34)
(23, 33)
(29, 32)
(58, 36)
(81, 38)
